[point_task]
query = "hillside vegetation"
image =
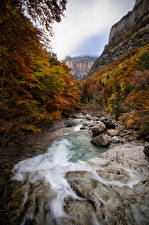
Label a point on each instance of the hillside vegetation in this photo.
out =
(122, 88)
(34, 86)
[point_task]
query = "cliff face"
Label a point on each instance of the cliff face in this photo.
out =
(126, 34)
(79, 65)
(127, 21)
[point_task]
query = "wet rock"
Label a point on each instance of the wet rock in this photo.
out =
(98, 129)
(112, 132)
(70, 123)
(101, 140)
(146, 150)
(109, 122)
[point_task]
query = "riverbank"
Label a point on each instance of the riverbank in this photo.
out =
(129, 156)
(16, 151)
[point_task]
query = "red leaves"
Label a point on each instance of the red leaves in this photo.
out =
(141, 79)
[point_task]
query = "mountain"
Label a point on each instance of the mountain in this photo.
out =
(118, 82)
(125, 34)
(79, 65)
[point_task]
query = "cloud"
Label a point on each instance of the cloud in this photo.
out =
(84, 20)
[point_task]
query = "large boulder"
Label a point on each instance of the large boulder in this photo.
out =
(112, 132)
(101, 140)
(146, 150)
(108, 121)
(69, 123)
(98, 129)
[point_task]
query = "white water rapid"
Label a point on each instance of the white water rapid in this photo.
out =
(48, 172)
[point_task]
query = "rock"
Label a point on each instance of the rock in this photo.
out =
(147, 138)
(122, 133)
(115, 140)
(108, 121)
(95, 118)
(83, 127)
(120, 127)
(69, 123)
(112, 132)
(101, 140)
(89, 123)
(146, 150)
(98, 129)
(88, 117)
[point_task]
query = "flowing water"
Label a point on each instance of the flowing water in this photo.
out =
(46, 186)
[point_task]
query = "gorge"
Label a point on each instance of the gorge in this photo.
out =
(73, 153)
(80, 65)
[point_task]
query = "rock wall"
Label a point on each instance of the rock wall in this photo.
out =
(127, 21)
(131, 31)
(79, 65)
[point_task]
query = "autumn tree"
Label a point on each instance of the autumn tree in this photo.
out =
(33, 87)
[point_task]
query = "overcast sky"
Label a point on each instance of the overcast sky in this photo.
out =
(85, 28)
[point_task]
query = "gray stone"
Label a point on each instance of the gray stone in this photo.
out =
(98, 129)
(88, 117)
(70, 123)
(115, 140)
(146, 150)
(89, 123)
(108, 121)
(101, 140)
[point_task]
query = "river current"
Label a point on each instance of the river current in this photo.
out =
(45, 184)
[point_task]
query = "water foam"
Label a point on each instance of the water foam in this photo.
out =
(51, 168)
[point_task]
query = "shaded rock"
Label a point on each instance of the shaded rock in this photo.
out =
(108, 121)
(122, 133)
(69, 123)
(112, 132)
(121, 127)
(101, 140)
(146, 150)
(98, 129)
(147, 138)
(83, 127)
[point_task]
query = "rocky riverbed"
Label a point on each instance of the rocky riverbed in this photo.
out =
(110, 188)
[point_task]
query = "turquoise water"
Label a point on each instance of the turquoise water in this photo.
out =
(80, 148)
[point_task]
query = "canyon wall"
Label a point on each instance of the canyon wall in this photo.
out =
(79, 65)
(132, 30)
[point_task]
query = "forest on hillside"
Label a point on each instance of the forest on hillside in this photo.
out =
(122, 89)
(34, 86)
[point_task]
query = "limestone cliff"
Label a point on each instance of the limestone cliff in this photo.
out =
(131, 31)
(79, 65)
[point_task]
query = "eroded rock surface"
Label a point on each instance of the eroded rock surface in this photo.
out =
(117, 190)
(101, 140)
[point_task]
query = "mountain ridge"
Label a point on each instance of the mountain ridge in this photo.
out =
(135, 22)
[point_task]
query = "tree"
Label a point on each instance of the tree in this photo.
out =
(45, 11)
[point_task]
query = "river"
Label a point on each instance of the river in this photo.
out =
(70, 184)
